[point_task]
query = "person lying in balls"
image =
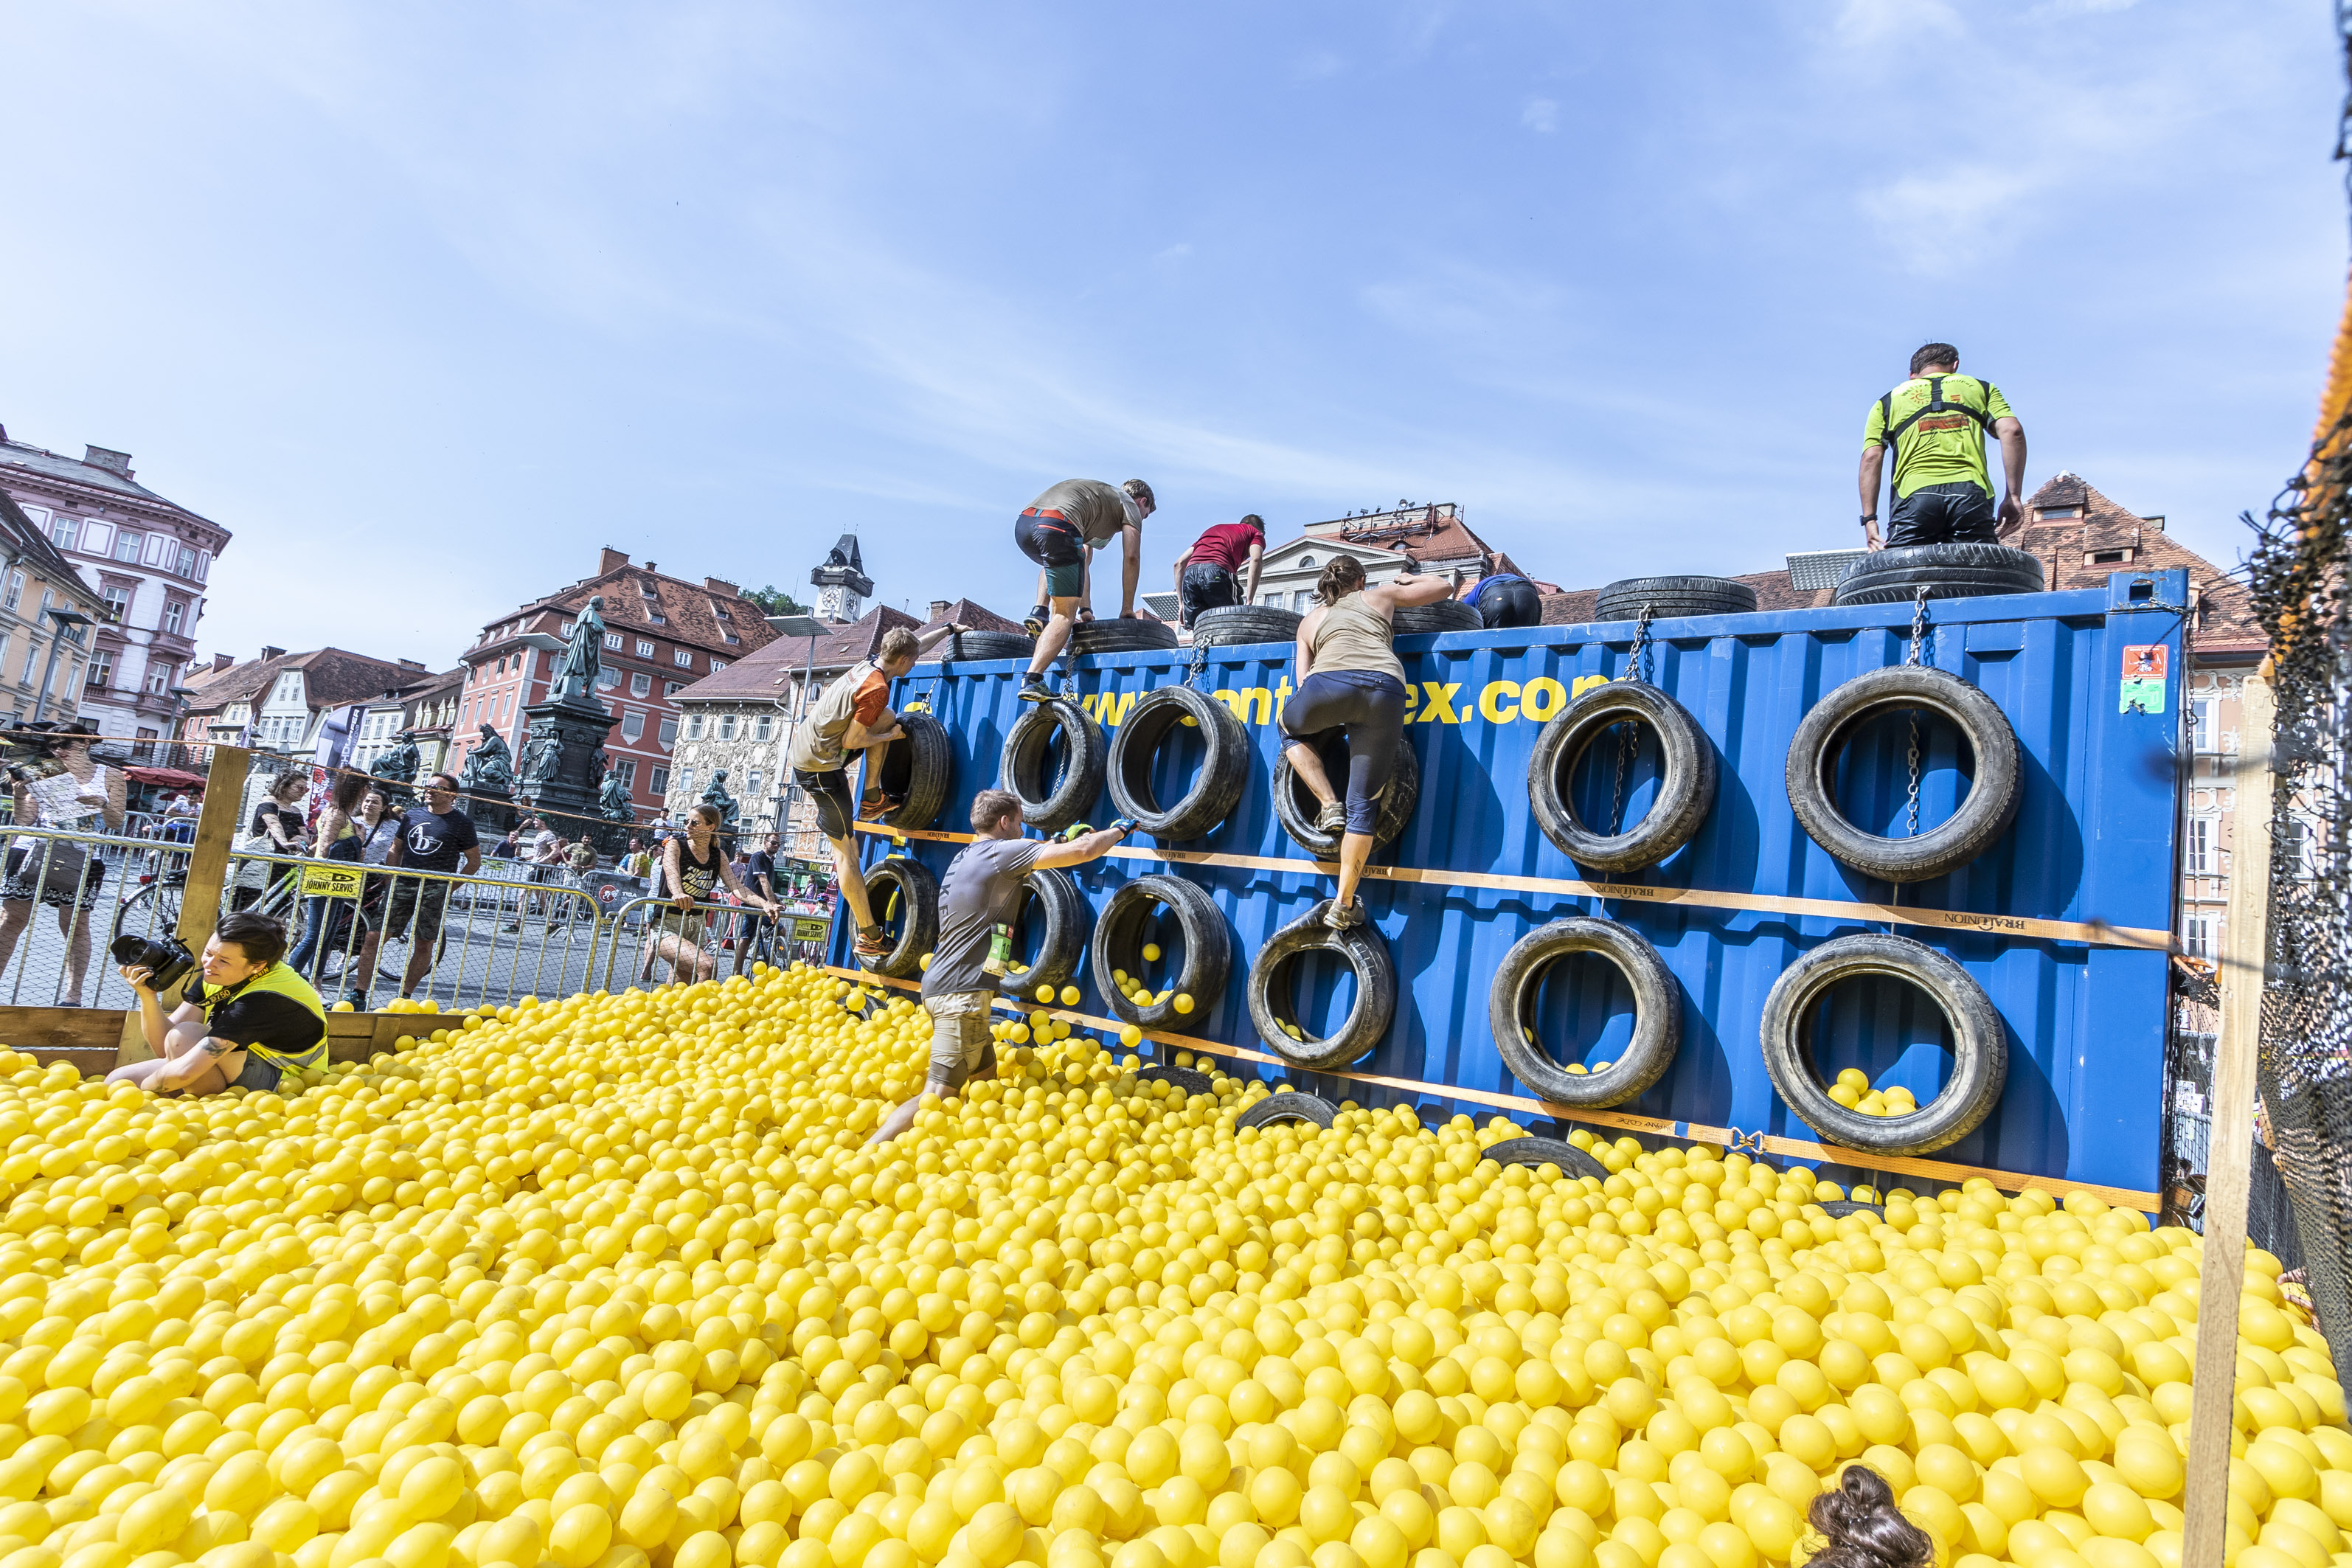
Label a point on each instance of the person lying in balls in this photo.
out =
(246, 1021)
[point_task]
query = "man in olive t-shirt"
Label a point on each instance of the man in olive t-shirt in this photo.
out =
(1936, 422)
(1061, 531)
(978, 892)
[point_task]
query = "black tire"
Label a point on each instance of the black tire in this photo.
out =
(1671, 597)
(1313, 1110)
(1224, 770)
(1208, 952)
(1296, 809)
(1060, 945)
(1189, 1080)
(1685, 789)
(1532, 1152)
(1368, 1020)
(1946, 571)
(1241, 625)
(1838, 1208)
(966, 646)
(918, 927)
(918, 771)
(1445, 615)
(1121, 635)
(1050, 805)
(1984, 815)
(1979, 1045)
(1658, 1011)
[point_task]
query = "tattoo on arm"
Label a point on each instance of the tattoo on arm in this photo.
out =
(211, 1045)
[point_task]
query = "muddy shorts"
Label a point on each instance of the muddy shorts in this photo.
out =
(960, 1043)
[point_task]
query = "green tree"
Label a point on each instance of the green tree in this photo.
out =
(774, 601)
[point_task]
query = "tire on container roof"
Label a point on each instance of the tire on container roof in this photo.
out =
(1224, 768)
(1979, 1045)
(1121, 633)
(1445, 615)
(1658, 1011)
(963, 648)
(1622, 600)
(1235, 626)
(1984, 813)
(1946, 571)
(1052, 804)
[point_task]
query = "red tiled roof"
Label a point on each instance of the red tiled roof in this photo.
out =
(690, 611)
(332, 676)
(964, 612)
(760, 675)
(2224, 622)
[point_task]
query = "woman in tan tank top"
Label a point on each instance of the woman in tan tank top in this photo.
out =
(1349, 680)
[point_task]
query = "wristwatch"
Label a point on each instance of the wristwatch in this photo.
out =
(1868, 518)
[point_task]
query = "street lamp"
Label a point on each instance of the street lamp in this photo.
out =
(69, 623)
(812, 628)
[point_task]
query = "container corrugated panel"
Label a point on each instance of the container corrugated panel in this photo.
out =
(2093, 841)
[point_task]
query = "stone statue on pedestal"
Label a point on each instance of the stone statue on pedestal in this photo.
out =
(490, 766)
(614, 802)
(544, 756)
(400, 761)
(584, 657)
(715, 795)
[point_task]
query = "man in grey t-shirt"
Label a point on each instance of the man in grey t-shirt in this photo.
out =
(979, 893)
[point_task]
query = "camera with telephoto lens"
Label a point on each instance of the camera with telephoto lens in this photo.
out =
(167, 961)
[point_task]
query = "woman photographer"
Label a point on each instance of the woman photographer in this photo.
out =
(43, 868)
(248, 1021)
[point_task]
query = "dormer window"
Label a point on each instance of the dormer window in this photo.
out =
(2053, 513)
(648, 590)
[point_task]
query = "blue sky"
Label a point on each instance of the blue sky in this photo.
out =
(427, 302)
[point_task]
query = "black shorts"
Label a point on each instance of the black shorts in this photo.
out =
(1054, 544)
(1510, 605)
(829, 793)
(414, 906)
(1368, 707)
(1958, 513)
(1206, 586)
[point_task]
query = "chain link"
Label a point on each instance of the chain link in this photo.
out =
(1633, 666)
(1629, 731)
(1199, 665)
(1918, 648)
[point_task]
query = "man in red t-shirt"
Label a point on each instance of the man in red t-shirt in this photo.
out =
(1204, 574)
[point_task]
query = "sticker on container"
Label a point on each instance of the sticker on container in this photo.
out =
(2144, 679)
(333, 879)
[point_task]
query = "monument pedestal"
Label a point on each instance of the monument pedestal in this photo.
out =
(561, 770)
(492, 813)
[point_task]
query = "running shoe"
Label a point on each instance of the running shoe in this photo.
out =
(1034, 623)
(1033, 689)
(1332, 818)
(872, 943)
(1342, 917)
(358, 999)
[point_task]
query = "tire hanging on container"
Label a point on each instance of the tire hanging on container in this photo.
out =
(1658, 1011)
(1050, 805)
(1054, 895)
(918, 894)
(1118, 942)
(1687, 780)
(1272, 1006)
(1155, 717)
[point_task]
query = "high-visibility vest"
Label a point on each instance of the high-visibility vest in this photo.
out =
(284, 982)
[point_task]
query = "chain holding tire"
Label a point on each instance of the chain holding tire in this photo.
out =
(1919, 633)
(1628, 732)
(1198, 666)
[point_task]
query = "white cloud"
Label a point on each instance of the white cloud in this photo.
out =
(1540, 114)
(1874, 21)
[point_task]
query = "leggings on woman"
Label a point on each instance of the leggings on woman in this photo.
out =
(1369, 706)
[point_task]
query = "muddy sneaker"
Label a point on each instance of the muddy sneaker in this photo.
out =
(1034, 623)
(1332, 818)
(1033, 689)
(872, 943)
(1343, 917)
(358, 999)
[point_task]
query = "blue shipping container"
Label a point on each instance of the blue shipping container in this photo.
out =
(2093, 841)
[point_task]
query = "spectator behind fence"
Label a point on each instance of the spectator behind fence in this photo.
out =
(275, 829)
(248, 1021)
(337, 837)
(435, 837)
(64, 875)
(693, 867)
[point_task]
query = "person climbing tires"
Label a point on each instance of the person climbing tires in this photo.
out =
(1061, 531)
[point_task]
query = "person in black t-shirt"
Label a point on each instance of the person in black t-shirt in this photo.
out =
(759, 874)
(435, 837)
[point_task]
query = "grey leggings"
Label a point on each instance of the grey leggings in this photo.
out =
(1369, 706)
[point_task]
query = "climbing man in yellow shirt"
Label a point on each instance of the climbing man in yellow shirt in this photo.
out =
(1936, 422)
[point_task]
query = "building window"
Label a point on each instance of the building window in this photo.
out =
(672, 688)
(2198, 934)
(613, 641)
(657, 780)
(727, 726)
(717, 664)
(644, 648)
(763, 728)
(32, 658)
(753, 783)
(159, 681)
(187, 565)
(65, 530)
(1301, 599)
(608, 678)
(126, 546)
(101, 668)
(175, 616)
(685, 780)
(16, 595)
(2204, 725)
(633, 725)
(694, 728)
(117, 602)
(640, 684)
(2197, 847)
(625, 770)
(647, 590)
(565, 631)
(667, 736)
(683, 659)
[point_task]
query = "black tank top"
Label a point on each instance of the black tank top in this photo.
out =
(697, 876)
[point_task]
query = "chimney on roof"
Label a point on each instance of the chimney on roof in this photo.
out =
(273, 653)
(222, 661)
(938, 609)
(721, 585)
(412, 664)
(651, 567)
(106, 457)
(2155, 522)
(611, 560)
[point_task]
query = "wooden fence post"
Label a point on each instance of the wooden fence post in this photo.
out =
(216, 831)
(2245, 955)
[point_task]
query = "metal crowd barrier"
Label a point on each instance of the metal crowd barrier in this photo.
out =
(57, 922)
(700, 934)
